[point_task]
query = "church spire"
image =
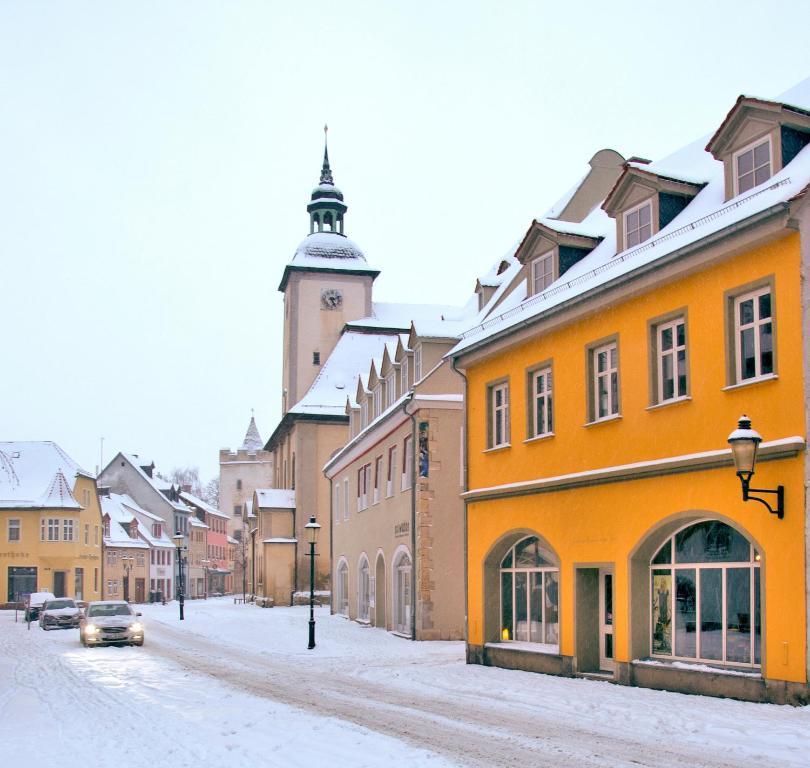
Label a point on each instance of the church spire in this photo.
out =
(326, 171)
(326, 207)
(252, 441)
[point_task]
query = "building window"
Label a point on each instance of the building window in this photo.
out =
(417, 363)
(540, 409)
(238, 485)
(498, 411)
(753, 334)
(14, 529)
(346, 499)
(542, 272)
(95, 535)
(752, 165)
(337, 502)
(638, 224)
(342, 596)
(605, 383)
(705, 596)
(141, 560)
(403, 372)
(670, 362)
(377, 400)
(378, 470)
(316, 358)
(87, 533)
(68, 530)
(49, 530)
(530, 577)
(390, 390)
(392, 463)
(407, 462)
(364, 413)
(363, 591)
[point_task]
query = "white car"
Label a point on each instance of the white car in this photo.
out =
(34, 603)
(110, 622)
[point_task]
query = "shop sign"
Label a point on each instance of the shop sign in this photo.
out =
(402, 529)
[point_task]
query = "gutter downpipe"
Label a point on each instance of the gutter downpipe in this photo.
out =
(464, 488)
(414, 580)
(331, 546)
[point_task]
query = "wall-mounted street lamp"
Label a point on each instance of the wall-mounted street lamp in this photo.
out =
(181, 597)
(744, 444)
(312, 530)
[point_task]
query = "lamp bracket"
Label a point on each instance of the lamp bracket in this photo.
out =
(779, 492)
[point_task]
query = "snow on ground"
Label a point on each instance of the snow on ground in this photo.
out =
(73, 706)
(236, 682)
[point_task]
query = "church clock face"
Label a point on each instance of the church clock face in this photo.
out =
(331, 298)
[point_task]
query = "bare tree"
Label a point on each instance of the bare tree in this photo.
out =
(186, 477)
(210, 492)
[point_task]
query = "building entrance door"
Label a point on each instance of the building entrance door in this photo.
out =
(140, 590)
(379, 592)
(78, 584)
(59, 580)
(402, 602)
(606, 662)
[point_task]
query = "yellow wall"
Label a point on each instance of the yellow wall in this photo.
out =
(49, 557)
(604, 523)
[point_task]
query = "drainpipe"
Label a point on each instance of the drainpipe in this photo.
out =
(464, 487)
(414, 579)
(253, 562)
(331, 547)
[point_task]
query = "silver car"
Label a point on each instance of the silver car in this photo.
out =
(110, 622)
(61, 613)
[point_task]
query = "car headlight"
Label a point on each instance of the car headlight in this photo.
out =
(90, 629)
(137, 626)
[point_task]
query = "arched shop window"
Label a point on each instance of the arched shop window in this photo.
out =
(530, 577)
(706, 596)
(343, 588)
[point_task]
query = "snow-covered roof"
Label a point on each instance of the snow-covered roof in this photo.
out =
(253, 440)
(195, 522)
(708, 213)
(276, 498)
(203, 505)
(328, 250)
(115, 505)
(338, 375)
(163, 487)
(400, 316)
(36, 474)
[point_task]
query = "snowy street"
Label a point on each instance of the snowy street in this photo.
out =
(237, 684)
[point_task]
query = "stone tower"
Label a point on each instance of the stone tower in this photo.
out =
(327, 283)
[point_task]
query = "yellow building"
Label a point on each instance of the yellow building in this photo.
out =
(51, 523)
(606, 531)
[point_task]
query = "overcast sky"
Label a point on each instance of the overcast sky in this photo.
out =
(156, 159)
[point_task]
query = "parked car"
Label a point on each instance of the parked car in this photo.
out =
(61, 613)
(110, 622)
(34, 602)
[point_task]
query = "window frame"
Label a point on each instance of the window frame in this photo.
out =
(750, 147)
(390, 389)
(392, 464)
(593, 350)
(656, 327)
(545, 369)
(546, 256)
(629, 212)
(493, 412)
(378, 467)
(11, 526)
(407, 463)
(733, 300)
(417, 363)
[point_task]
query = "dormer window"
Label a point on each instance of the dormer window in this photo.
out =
(417, 363)
(542, 272)
(377, 400)
(390, 390)
(638, 224)
(403, 371)
(752, 165)
(364, 414)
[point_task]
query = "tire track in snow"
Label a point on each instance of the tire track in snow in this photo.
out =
(445, 724)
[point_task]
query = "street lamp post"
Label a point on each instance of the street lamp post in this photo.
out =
(312, 529)
(205, 562)
(178, 542)
(127, 561)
